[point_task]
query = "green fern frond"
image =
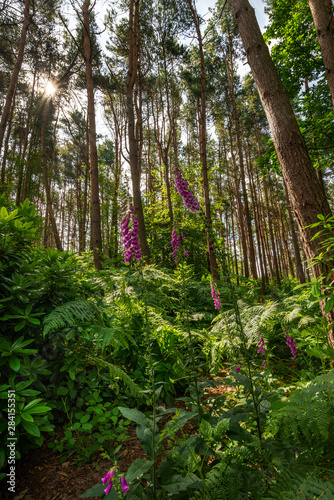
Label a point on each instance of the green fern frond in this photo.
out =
(69, 314)
(292, 315)
(108, 336)
(301, 483)
(307, 414)
(306, 320)
(161, 324)
(234, 477)
(116, 373)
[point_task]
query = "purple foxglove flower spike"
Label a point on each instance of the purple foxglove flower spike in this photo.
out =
(181, 185)
(291, 343)
(130, 239)
(215, 296)
(175, 244)
(125, 486)
(261, 349)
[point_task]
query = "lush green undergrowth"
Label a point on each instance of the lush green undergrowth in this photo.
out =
(90, 353)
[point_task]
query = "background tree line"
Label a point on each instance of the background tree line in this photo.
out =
(256, 153)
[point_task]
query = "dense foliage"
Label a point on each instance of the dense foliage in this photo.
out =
(155, 273)
(124, 338)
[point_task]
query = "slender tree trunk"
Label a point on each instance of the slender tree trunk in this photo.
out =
(82, 244)
(230, 73)
(271, 232)
(299, 267)
(4, 159)
(131, 79)
(232, 217)
(203, 145)
(27, 130)
(15, 74)
(239, 205)
(322, 13)
(256, 222)
(50, 213)
(94, 171)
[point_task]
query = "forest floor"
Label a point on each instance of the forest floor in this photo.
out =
(42, 476)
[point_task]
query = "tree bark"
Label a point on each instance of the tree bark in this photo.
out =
(202, 147)
(4, 159)
(307, 197)
(230, 74)
(131, 79)
(299, 266)
(49, 211)
(284, 237)
(94, 172)
(255, 212)
(322, 13)
(239, 204)
(271, 232)
(15, 74)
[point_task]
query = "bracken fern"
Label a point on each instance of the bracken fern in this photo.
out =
(70, 314)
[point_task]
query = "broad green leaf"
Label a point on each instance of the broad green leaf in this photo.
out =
(34, 321)
(179, 483)
(39, 409)
(23, 384)
(14, 363)
(87, 427)
(19, 326)
(71, 372)
(95, 491)
(3, 212)
(31, 428)
(134, 415)
(62, 391)
(145, 437)
(27, 417)
(137, 468)
(221, 428)
(32, 403)
(205, 429)
(329, 305)
(5, 345)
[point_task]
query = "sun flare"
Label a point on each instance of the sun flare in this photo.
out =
(50, 89)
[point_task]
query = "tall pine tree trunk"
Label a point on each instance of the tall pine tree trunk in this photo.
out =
(94, 172)
(239, 204)
(202, 147)
(307, 197)
(15, 74)
(49, 211)
(4, 159)
(322, 13)
(131, 79)
(299, 266)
